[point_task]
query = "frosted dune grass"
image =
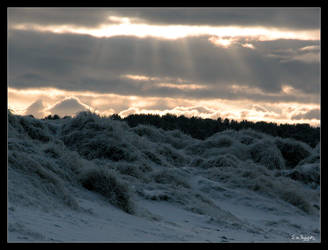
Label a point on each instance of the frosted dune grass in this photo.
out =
(53, 165)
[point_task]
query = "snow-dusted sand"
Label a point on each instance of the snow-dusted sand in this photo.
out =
(92, 179)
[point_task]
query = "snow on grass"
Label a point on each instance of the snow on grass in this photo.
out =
(94, 179)
(105, 182)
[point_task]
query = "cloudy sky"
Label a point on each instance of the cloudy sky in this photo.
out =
(259, 64)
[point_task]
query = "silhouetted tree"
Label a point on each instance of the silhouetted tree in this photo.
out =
(115, 117)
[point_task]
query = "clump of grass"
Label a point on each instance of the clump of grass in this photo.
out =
(267, 154)
(172, 177)
(295, 198)
(222, 161)
(35, 129)
(293, 151)
(105, 182)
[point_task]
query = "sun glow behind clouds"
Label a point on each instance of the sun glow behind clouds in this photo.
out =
(248, 45)
(221, 42)
(182, 86)
(125, 26)
(173, 83)
(220, 36)
(139, 77)
(107, 104)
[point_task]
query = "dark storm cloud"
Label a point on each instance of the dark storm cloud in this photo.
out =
(311, 114)
(305, 18)
(79, 62)
(88, 17)
(295, 18)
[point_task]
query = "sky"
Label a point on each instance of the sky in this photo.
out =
(256, 64)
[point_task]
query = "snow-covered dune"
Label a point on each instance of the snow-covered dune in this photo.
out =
(94, 179)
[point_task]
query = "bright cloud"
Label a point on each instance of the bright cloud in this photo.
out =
(182, 86)
(221, 42)
(68, 106)
(124, 26)
(69, 102)
(176, 83)
(248, 45)
(310, 48)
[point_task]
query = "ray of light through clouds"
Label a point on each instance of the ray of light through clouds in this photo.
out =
(259, 64)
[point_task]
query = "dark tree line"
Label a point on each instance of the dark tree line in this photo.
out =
(201, 128)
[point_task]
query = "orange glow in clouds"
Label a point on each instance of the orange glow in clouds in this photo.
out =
(107, 104)
(125, 26)
(221, 36)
